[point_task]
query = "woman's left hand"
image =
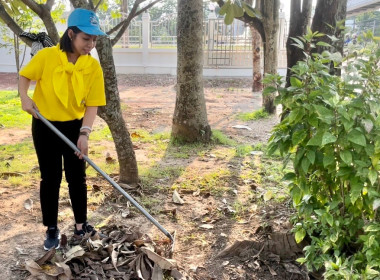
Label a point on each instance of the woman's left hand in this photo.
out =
(82, 146)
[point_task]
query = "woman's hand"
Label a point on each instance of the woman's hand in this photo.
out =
(82, 145)
(29, 106)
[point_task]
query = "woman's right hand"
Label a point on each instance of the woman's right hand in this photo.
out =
(29, 106)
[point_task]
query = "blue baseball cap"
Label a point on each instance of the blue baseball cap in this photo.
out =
(87, 21)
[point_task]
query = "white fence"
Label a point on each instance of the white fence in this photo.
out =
(150, 48)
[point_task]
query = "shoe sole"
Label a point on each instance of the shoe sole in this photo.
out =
(59, 244)
(47, 249)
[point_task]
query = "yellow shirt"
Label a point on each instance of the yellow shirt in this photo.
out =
(63, 90)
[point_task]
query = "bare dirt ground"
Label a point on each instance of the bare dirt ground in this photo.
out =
(149, 104)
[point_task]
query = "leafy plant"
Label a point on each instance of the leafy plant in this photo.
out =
(330, 132)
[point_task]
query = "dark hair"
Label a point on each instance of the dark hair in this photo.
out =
(65, 41)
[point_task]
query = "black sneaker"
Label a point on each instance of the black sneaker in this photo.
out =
(53, 238)
(86, 228)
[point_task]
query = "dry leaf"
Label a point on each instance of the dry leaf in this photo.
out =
(207, 226)
(157, 273)
(76, 251)
(176, 198)
(268, 195)
(166, 264)
(28, 204)
(47, 257)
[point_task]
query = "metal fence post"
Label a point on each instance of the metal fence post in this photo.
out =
(145, 39)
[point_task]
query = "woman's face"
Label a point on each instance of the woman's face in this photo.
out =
(82, 43)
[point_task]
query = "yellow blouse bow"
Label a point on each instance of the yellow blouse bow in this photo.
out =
(61, 75)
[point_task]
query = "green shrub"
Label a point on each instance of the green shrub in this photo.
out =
(330, 131)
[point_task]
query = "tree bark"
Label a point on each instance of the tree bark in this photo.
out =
(270, 12)
(256, 63)
(112, 115)
(329, 19)
(190, 122)
(256, 55)
(299, 21)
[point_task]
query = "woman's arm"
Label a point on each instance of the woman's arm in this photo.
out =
(88, 121)
(27, 103)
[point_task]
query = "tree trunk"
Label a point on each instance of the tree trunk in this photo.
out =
(270, 12)
(190, 122)
(112, 115)
(299, 21)
(330, 13)
(256, 64)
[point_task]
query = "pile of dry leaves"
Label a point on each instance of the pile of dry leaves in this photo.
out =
(121, 254)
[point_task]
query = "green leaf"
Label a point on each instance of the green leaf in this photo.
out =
(229, 17)
(376, 204)
(289, 176)
(324, 114)
(295, 82)
(268, 90)
(346, 156)
(251, 11)
(323, 44)
(301, 260)
(311, 156)
(356, 190)
(238, 10)
(357, 137)
(296, 194)
(305, 164)
(372, 176)
(328, 138)
(372, 228)
(300, 235)
(224, 9)
(298, 136)
(329, 219)
(298, 43)
(316, 140)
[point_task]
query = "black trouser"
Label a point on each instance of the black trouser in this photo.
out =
(50, 149)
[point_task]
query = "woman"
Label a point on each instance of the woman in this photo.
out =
(69, 89)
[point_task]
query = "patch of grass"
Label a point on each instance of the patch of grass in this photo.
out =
(144, 136)
(220, 138)
(150, 175)
(102, 133)
(150, 203)
(243, 150)
(255, 115)
(216, 182)
(11, 113)
(19, 157)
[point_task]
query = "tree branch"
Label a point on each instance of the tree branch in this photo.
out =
(147, 7)
(49, 4)
(37, 8)
(97, 5)
(12, 24)
(252, 21)
(126, 22)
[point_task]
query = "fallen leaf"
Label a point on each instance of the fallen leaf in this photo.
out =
(176, 198)
(28, 204)
(166, 264)
(242, 127)
(76, 251)
(206, 226)
(268, 195)
(257, 153)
